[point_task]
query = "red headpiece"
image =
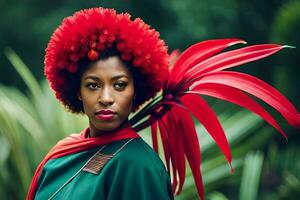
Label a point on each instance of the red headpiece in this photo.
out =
(88, 32)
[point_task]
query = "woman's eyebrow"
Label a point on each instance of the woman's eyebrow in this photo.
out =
(92, 77)
(96, 78)
(119, 76)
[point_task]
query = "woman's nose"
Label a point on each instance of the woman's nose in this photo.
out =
(106, 96)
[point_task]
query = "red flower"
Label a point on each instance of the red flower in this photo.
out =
(200, 71)
(93, 55)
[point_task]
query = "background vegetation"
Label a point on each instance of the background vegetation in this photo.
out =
(31, 120)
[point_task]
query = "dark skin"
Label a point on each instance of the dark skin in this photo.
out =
(107, 84)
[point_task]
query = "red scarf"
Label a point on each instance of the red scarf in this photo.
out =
(76, 143)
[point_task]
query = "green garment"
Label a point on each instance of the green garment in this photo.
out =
(136, 172)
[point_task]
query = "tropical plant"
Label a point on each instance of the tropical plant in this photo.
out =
(31, 123)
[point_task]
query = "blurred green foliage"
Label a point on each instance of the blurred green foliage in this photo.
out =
(32, 121)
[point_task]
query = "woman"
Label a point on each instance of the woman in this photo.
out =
(107, 160)
(104, 65)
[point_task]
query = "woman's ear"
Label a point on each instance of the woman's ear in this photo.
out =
(79, 96)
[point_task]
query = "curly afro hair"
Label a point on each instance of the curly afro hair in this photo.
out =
(83, 37)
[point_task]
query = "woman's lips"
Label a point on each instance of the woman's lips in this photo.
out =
(105, 116)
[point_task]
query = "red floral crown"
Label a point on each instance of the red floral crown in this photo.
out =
(88, 32)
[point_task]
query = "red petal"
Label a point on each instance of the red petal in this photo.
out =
(164, 139)
(178, 148)
(169, 144)
(173, 57)
(237, 97)
(230, 59)
(154, 136)
(197, 53)
(172, 103)
(257, 88)
(209, 120)
(185, 126)
(93, 55)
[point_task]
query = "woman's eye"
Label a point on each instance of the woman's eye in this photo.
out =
(92, 85)
(120, 85)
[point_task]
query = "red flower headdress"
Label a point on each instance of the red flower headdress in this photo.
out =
(88, 32)
(197, 71)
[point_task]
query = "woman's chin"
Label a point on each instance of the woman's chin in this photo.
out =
(106, 126)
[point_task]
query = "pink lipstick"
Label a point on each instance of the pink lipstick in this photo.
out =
(105, 115)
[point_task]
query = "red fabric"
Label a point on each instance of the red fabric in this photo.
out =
(74, 144)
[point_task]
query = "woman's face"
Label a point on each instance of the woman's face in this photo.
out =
(106, 91)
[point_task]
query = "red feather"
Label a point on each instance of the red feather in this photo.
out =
(173, 57)
(175, 145)
(154, 136)
(196, 54)
(237, 97)
(198, 70)
(164, 138)
(209, 120)
(170, 145)
(229, 59)
(178, 146)
(185, 126)
(257, 88)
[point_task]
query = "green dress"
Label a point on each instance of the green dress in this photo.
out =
(135, 172)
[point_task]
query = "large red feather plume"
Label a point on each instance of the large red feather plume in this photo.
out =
(199, 71)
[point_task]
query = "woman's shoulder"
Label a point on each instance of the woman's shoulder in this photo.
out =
(138, 165)
(139, 153)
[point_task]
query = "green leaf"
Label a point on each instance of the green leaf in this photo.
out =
(24, 72)
(251, 176)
